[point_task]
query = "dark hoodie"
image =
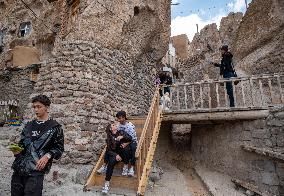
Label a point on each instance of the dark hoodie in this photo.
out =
(226, 63)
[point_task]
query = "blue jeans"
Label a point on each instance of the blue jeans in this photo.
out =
(229, 87)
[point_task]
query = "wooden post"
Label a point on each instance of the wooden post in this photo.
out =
(280, 89)
(201, 95)
(178, 103)
(217, 94)
(193, 96)
(234, 93)
(171, 97)
(251, 90)
(243, 94)
(139, 167)
(185, 96)
(270, 90)
(225, 92)
(209, 97)
(144, 149)
(261, 90)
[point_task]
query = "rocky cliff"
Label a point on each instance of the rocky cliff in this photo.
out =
(259, 43)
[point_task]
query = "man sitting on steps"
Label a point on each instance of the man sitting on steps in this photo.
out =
(129, 128)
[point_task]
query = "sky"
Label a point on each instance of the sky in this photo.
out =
(188, 13)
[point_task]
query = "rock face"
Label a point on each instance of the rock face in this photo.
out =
(180, 43)
(42, 27)
(204, 48)
(256, 41)
(260, 37)
(134, 26)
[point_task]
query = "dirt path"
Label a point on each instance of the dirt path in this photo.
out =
(172, 183)
(178, 177)
(195, 184)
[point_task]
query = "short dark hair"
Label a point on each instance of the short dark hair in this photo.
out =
(121, 113)
(42, 99)
(225, 48)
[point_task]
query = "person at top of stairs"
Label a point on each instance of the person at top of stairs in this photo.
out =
(115, 152)
(129, 128)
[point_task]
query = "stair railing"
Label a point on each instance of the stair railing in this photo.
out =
(147, 143)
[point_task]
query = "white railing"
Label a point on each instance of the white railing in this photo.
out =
(258, 91)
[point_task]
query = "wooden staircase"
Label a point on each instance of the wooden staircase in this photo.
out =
(147, 129)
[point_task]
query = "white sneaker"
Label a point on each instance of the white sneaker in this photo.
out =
(131, 172)
(125, 170)
(105, 187)
(102, 170)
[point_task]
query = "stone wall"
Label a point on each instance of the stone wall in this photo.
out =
(16, 85)
(88, 84)
(219, 147)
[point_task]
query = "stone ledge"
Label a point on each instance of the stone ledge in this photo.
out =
(264, 152)
(250, 187)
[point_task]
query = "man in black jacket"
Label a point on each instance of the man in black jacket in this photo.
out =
(227, 71)
(42, 141)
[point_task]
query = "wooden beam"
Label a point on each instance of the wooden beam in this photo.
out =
(193, 96)
(214, 116)
(150, 156)
(261, 91)
(185, 96)
(243, 95)
(217, 94)
(91, 180)
(251, 91)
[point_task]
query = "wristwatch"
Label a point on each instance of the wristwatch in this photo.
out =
(48, 155)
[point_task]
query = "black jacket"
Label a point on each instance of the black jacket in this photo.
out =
(50, 140)
(113, 146)
(226, 63)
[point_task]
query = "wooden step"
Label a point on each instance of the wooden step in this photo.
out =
(116, 191)
(117, 181)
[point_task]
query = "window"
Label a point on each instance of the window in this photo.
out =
(25, 28)
(136, 10)
(34, 74)
(2, 34)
